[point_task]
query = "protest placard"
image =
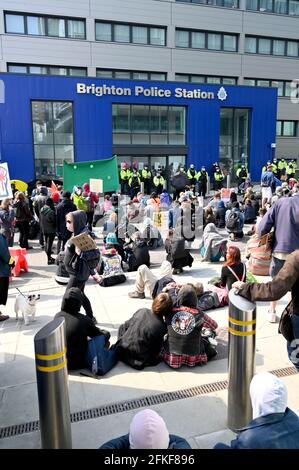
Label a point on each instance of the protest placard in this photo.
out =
(96, 185)
(5, 186)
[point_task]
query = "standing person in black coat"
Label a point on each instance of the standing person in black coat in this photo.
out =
(62, 209)
(76, 223)
(23, 217)
(140, 338)
(77, 328)
(47, 219)
(220, 215)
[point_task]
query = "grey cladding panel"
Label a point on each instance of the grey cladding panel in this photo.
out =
(199, 17)
(132, 11)
(50, 7)
(203, 62)
(121, 56)
(271, 25)
(288, 110)
(257, 66)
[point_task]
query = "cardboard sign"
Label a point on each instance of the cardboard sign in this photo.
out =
(84, 242)
(5, 186)
(96, 185)
(225, 194)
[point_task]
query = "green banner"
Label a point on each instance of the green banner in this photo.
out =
(76, 174)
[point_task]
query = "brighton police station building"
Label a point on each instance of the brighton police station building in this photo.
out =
(47, 119)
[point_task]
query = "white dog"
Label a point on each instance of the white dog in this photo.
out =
(27, 306)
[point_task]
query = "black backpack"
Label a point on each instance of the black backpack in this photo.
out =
(208, 300)
(232, 221)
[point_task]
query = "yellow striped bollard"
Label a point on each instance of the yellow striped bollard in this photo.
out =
(52, 386)
(241, 359)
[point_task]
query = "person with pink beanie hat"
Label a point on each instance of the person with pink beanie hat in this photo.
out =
(147, 431)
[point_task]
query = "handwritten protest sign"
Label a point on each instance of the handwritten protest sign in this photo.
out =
(5, 187)
(96, 185)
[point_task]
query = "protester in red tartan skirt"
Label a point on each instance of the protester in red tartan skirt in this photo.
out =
(184, 344)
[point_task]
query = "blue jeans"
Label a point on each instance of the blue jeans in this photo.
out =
(293, 347)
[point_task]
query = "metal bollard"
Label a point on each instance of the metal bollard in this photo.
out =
(142, 187)
(52, 386)
(241, 359)
(208, 185)
(228, 181)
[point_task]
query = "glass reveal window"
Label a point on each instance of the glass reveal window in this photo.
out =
(103, 32)
(15, 24)
(122, 33)
(145, 125)
(36, 25)
(250, 45)
(56, 27)
(286, 128)
(76, 29)
(53, 136)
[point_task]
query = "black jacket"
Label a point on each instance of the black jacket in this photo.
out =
(177, 255)
(77, 328)
(47, 218)
(71, 259)
(138, 254)
(220, 217)
(140, 339)
(62, 209)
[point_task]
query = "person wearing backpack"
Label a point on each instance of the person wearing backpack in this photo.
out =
(110, 268)
(91, 200)
(234, 221)
(233, 269)
(47, 218)
(78, 268)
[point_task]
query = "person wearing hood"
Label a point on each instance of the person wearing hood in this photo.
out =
(78, 199)
(48, 227)
(184, 344)
(213, 245)
(220, 214)
(38, 202)
(274, 425)
(91, 200)
(165, 200)
(78, 328)
(177, 254)
(62, 209)
(76, 224)
(137, 252)
(147, 431)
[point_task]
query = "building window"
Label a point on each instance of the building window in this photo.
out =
(148, 125)
(280, 7)
(205, 79)
(53, 136)
(272, 46)
(131, 74)
(206, 40)
(217, 3)
(283, 87)
(286, 128)
(38, 25)
(130, 33)
(47, 70)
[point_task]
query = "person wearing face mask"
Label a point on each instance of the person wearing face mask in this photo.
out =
(158, 182)
(78, 199)
(274, 425)
(76, 223)
(134, 183)
(191, 174)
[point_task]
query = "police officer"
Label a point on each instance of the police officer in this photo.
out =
(281, 166)
(192, 176)
(124, 176)
(202, 178)
(158, 182)
(134, 183)
(146, 177)
(242, 176)
(274, 167)
(264, 169)
(290, 170)
(218, 179)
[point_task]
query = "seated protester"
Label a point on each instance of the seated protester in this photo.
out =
(274, 425)
(233, 269)
(220, 215)
(78, 328)
(208, 216)
(137, 252)
(213, 245)
(140, 338)
(255, 204)
(234, 222)
(165, 200)
(112, 239)
(177, 254)
(147, 431)
(107, 205)
(110, 268)
(110, 223)
(173, 214)
(146, 280)
(216, 198)
(249, 212)
(184, 344)
(150, 234)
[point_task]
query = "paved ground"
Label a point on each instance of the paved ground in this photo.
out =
(201, 418)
